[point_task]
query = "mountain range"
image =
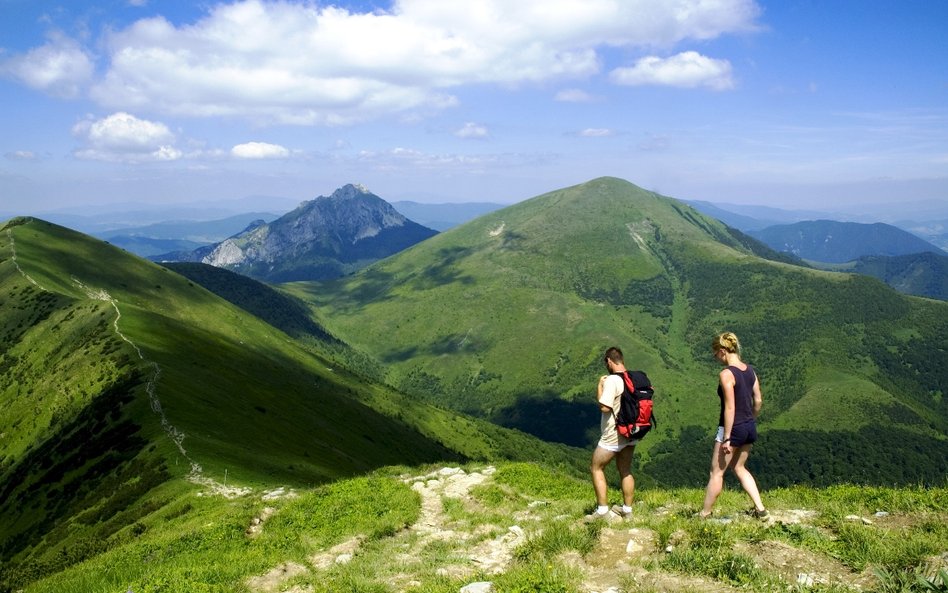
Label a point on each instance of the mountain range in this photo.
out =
(179, 235)
(927, 220)
(826, 241)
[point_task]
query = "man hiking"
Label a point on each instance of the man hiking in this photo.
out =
(613, 445)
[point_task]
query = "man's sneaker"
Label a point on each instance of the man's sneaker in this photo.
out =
(594, 516)
(617, 511)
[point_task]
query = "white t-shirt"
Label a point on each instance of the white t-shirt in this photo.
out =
(611, 392)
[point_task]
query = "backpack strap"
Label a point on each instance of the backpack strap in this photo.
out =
(627, 377)
(628, 385)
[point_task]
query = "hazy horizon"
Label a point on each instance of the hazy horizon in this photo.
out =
(130, 213)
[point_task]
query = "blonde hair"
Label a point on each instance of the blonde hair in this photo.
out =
(726, 341)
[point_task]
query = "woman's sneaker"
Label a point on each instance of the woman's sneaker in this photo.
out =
(763, 515)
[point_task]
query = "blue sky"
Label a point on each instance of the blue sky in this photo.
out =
(793, 104)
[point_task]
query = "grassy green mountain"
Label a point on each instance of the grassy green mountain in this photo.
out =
(921, 274)
(121, 381)
(507, 316)
(283, 312)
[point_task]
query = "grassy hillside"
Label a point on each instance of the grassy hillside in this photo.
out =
(921, 274)
(118, 377)
(436, 529)
(507, 317)
(276, 308)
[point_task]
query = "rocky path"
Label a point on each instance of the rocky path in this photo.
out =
(482, 551)
(626, 558)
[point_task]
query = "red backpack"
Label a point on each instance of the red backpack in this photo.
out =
(635, 404)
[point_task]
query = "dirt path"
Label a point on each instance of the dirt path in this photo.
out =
(16, 264)
(480, 550)
(196, 473)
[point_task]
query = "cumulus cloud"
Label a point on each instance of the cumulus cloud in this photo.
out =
(472, 130)
(308, 63)
(259, 150)
(123, 137)
(687, 70)
(60, 67)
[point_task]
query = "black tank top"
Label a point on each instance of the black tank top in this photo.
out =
(743, 395)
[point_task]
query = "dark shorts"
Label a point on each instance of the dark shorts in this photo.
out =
(744, 433)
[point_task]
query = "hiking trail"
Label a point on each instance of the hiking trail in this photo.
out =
(196, 473)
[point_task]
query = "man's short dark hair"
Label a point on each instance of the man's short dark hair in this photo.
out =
(614, 354)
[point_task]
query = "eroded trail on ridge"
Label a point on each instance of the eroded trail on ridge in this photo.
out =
(486, 549)
(196, 472)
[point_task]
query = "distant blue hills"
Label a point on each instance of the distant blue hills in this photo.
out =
(831, 241)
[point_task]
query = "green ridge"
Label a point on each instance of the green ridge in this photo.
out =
(118, 376)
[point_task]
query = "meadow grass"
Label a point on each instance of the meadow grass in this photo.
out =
(201, 543)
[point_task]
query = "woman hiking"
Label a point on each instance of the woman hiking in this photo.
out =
(739, 392)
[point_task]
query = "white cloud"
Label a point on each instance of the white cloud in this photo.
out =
(574, 96)
(22, 155)
(655, 144)
(597, 132)
(472, 130)
(60, 67)
(687, 70)
(405, 159)
(125, 138)
(259, 150)
(307, 63)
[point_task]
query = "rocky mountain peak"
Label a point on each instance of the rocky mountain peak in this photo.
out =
(349, 191)
(322, 238)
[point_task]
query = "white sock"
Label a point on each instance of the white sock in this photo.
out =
(602, 509)
(626, 508)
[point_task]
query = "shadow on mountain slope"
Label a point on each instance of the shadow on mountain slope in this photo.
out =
(547, 416)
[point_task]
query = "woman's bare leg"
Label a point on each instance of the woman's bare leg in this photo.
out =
(746, 478)
(719, 463)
